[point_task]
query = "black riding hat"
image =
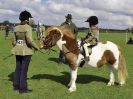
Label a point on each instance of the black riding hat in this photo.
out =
(25, 15)
(93, 20)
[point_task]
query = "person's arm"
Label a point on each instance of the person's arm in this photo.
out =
(14, 39)
(75, 30)
(29, 39)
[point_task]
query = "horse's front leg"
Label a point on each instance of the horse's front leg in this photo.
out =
(72, 83)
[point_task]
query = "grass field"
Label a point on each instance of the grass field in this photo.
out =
(49, 80)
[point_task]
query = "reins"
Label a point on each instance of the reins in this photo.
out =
(71, 51)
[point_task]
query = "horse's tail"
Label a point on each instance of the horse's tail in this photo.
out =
(122, 71)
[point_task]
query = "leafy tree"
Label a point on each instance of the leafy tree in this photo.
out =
(6, 22)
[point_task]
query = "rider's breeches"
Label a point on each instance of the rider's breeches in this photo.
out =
(86, 48)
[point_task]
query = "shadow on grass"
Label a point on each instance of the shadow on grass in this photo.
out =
(56, 60)
(10, 76)
(65, 78)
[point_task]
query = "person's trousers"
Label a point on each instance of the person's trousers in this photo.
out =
(61, 56)
(20, 75)
(85, 46)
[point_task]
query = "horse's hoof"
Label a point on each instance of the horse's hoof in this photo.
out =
(69, 85)
(110, 84)
(72, 89)
(122, 83)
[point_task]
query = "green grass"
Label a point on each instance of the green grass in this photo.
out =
(49, 80)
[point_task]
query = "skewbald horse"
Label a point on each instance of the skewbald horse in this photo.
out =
(103, 53)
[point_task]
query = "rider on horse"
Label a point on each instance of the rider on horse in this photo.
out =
(92, 37)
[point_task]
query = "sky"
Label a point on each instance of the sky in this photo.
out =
(114, 14)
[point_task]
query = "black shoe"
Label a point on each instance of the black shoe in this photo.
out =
(16, 88)
(25, 91)
(60, 62)
(82, 63)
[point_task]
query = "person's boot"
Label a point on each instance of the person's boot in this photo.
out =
(15, 88)
(25, 91)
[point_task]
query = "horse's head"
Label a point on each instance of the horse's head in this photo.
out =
(53, 35)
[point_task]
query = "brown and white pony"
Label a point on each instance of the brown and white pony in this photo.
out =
(103, 53)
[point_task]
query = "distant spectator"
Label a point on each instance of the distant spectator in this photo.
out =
(12, 28)
(40, 30)
(130, 41)
(68, 23)
(6, 31)
(73, 28)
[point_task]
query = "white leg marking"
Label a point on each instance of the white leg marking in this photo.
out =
(80, 56)
(122, 82)
(112, 78)
(60, 43)
(72, 83)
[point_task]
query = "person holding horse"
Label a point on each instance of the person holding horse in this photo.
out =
(92, 37)
(73, 28)
(22, 47)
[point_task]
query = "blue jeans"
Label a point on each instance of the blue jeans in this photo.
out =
(20, 75)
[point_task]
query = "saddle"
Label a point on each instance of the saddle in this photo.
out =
(83, 51)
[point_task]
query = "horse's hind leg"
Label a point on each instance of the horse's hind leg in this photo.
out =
(72, 83)
(111, 75)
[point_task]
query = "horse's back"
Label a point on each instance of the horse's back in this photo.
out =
(99, 50)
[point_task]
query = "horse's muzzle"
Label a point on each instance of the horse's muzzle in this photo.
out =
(45, 47)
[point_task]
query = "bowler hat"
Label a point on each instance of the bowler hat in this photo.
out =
(69, 16)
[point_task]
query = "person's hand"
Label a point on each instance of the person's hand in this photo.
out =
(36, 49)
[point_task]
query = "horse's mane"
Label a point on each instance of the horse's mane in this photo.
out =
(66, 31)
(49, 29)
(63, 29)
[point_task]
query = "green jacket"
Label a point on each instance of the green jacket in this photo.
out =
(91, 39)
(95, 33)
(71, 26)
(22, 41)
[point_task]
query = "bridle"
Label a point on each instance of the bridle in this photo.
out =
(48, 41)
(71, 51)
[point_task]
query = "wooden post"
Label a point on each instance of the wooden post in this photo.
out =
(126, 36)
